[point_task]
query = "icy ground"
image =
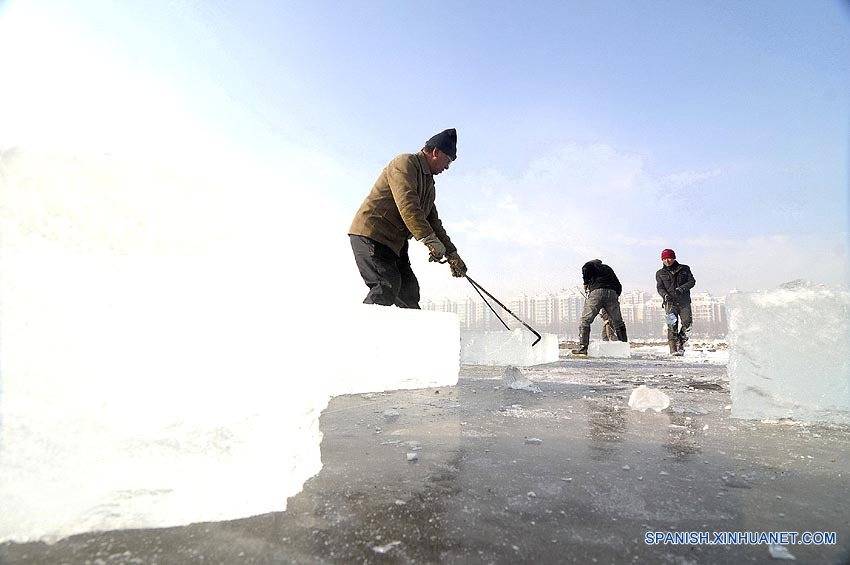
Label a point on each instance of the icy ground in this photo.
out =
(481, 473)
(612, 371)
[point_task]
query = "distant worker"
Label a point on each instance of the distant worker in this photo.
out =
(674, 282)
(603, 291)
(400, 206)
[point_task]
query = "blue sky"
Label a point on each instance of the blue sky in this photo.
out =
(586, 129)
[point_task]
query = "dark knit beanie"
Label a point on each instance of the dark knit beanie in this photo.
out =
(668, 254)
(445, 141)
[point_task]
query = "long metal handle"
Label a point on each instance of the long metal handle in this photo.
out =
(477, 287)
(488, 304)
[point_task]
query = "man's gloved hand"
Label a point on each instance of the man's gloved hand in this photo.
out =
(436, 249)
(456, 264)
(679, 291)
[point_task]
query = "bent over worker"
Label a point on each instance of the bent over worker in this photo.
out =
(603, 291)
(401, 206)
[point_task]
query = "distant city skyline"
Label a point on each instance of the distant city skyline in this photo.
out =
(559, 312)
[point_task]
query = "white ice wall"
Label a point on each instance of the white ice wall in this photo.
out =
(165, 358)
(789, 354)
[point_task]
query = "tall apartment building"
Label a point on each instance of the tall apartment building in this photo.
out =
(560, 312)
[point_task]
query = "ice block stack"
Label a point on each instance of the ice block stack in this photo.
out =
(790, 353)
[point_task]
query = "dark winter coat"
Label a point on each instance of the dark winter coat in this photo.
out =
(401, 204)
(674, 283)
(596, 274)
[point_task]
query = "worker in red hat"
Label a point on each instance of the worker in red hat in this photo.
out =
(674, 282)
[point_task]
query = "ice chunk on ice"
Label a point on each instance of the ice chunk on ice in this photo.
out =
(780, 552)
(513, 378)
(643, 398)
(385, 548)
(507, 348)
(618, 349)
(790, 353)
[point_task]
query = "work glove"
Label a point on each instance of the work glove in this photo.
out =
(679, 291)
(456, 264)
(436, 249)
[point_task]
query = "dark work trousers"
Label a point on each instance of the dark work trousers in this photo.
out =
(685, 319)
(598, 299)
(388, 276)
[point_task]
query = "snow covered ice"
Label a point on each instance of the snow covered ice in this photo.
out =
(158, 371)
(790, 353)
(507, 348)
(616, 349)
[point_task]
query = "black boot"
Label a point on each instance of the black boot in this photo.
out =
(680, 347)
(621, 334)
(584, 340)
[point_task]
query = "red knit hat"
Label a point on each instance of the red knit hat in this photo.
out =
(668, 254)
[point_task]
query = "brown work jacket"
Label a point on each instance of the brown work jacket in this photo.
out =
(401, 205)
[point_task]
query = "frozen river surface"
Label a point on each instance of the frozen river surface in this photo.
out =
(480, 473)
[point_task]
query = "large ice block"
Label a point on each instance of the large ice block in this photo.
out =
(507, 348)
(789, 354)
(617, 349)
(123, 408)
(389, 348)
(156, 372)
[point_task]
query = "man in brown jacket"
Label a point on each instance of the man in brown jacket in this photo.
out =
(400, 206)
